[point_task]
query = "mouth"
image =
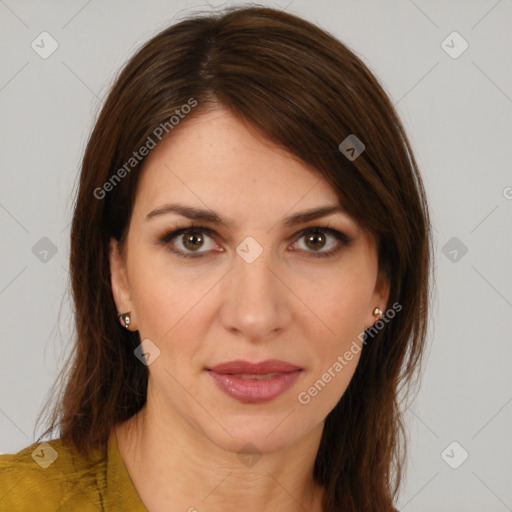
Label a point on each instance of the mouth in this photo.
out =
(241, 367)
(255, 382)
(254, 376)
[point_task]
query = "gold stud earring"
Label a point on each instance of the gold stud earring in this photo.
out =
(125, 319)
(377, 313)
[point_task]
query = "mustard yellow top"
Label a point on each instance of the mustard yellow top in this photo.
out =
(51, 477)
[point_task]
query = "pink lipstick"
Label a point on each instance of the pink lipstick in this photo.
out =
(255, 382)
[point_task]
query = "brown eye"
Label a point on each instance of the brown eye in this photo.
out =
(192, 240)
(315, 240)
(187, 242)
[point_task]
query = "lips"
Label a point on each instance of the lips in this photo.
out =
(255, 382)
(239, 366)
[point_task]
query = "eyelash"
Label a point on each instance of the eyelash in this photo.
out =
(341, 237)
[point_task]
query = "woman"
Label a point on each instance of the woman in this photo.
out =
(250, 256)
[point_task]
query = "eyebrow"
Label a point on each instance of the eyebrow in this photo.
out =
(211, 217)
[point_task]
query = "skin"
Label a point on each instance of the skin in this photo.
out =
(182, 448)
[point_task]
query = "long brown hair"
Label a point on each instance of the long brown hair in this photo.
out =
(307, 92)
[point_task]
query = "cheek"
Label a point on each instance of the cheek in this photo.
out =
(344, 301)
(342, 305)
(335, 355)
(169, 299)
(157, 296)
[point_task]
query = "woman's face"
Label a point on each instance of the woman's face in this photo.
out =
(251, 288)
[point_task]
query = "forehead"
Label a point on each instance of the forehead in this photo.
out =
(217, 155)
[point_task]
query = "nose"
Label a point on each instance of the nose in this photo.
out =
(256, 300)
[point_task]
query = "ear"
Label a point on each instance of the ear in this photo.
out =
(380, 297)
(119, 283)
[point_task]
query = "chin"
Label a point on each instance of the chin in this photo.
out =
(259, 437)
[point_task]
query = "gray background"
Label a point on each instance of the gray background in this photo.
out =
(457, 112)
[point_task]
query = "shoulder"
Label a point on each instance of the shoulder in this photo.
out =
(45, 476)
